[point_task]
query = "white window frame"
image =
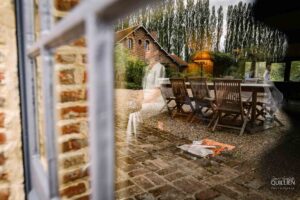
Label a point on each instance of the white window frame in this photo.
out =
(130, 43)
(95, 19)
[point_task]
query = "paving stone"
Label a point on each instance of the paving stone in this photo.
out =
(145, 196)
(128, 168)
(215, 180)
(189, 185)
(122, 184)
(244, 179)
(167, 192)
(228, 172)
(189, 164)
(223, 197)
(144, 158)
(174, 176)
(128, 192)
(236, 187)
(227, 191)
(138, 172)
(121, 175)
(143, 182)
(167, 170)
(203, 162)
(156, 179)
(150, 166)
(255, 184)
(253, 196)
(160, 163)
(127, 160)
(207, 195)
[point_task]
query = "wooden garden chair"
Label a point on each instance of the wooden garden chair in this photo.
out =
(181, 95)
(169, 99)
(228, 102)
(201, 96)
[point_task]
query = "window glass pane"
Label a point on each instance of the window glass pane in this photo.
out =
(41, 113)
(277, 71)
(295, 71)
(248, 72)
(260, 68)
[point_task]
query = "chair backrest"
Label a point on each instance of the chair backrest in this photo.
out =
(179, 89)
(199, 88)
(166, 92)
(228, 93)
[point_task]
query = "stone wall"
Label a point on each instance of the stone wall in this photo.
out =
(11, 163)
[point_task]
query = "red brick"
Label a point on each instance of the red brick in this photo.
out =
(3, 177)
(84, 59)
(75, 95)
(65, 5)
(4, 194)
(74, 112)
(70, 128)
(67, 76)
(2, 77)
(2, 101)
(2, 138)
(85, 197)
(2, 159)
(65, 58)
(2, 119)
(75, 175)
(85, 77)
(74, 144)
(80, 42)
(71, 191)
(72, 161)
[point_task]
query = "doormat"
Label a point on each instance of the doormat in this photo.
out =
(206, 148)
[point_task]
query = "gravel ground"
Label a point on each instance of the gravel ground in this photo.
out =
(248, 146)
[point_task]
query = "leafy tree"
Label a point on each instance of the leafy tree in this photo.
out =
(219, 28)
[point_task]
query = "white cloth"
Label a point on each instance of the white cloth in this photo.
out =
(267, 75)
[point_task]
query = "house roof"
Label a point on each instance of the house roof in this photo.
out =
(122, 34)
(179, 60)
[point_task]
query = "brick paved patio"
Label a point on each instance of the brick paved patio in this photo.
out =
(149, 166)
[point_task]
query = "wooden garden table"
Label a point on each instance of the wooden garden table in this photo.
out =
(254, 88)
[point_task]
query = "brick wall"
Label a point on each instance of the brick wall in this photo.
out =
(151, 56)
(72, 114)
(72, 121)
(11, 166)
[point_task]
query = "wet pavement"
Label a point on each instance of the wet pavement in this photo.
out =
(150, 166)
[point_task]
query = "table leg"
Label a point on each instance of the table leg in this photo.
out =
(253, 110)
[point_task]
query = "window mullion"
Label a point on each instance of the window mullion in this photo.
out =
(100, 38)
(49, 93)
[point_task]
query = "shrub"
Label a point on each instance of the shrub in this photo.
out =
(171, 73)
(222, 63)
(135, 71)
